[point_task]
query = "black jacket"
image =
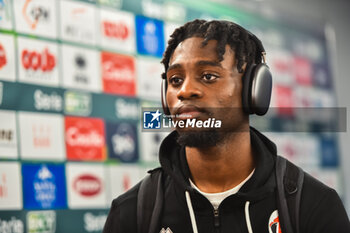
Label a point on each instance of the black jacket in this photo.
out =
(321, 208)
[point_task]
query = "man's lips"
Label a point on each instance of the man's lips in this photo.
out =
(188, 112)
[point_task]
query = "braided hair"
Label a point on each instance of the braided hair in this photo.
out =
(224, 32)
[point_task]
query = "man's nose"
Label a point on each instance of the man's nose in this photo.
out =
(189, 89)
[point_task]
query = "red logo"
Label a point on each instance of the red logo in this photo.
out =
(118, 74)
(41, 136)
(115, 30)
(87, 185)
(284, 100)
(303, 71)
(44, 61)
(85, 138)
(3, 60)
(3, 186)
(126, 182)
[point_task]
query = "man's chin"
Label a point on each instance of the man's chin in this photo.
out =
(199, 138)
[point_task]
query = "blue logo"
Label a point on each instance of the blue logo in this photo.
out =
(151, 120)
(44, 186)
(150, 36)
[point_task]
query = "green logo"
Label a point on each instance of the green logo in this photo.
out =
(41, 221)
(77, 103)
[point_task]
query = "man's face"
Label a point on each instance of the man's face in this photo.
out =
(199, 86)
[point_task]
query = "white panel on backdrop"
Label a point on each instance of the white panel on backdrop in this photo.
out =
(8, 135)
(149, 78)
(6, 14)
(81, 68)
(121, 178)
(7, 58)
(41, 136)
(301, 149)
(117, 30)
(38, 61)
(10, 186)
(86, 185)
(78, 22)
(36, 17)
(282, 66)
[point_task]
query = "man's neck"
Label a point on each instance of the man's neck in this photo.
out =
(220, 168)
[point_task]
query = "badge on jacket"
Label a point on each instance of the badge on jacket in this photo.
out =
(167, 230)
(274, 223)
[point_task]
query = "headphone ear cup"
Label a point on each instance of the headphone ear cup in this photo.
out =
(164, 86)
(261, 87)
(247, 81)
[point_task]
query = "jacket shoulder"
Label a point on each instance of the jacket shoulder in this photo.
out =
(321, 208)
(128, 196)
(122, 214)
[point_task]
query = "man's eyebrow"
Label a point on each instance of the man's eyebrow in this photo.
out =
(199, 63)
(175, 66)
(209, 63)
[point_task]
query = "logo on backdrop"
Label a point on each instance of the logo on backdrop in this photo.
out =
(34, 14)
(11, 223)
(122, 141)
(33, 60)
(126, 109)
(10, 187)
(117, 30)
(274, 223)
(3, 60)
(77, 103)
(87, 185)
(47, 101)
(80, 63)
(94, 223)
(38, 61)
(41, 221)
(150, 36)
(118, 74)
(5, 14)
(84, 138)
(44, 186)
(8, 137)
(78, 22)
(3, 186)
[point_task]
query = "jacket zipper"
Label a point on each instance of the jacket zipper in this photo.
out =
(216, 219)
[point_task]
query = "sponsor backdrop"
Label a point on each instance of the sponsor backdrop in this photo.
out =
(74, 76)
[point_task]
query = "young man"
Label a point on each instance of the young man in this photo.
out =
(219, 180)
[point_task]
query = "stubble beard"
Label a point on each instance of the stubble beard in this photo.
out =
(200, 139)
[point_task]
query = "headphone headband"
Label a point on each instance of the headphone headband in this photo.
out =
(261, 53)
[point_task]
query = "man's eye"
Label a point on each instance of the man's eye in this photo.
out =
(209, 77)
(175, 81)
